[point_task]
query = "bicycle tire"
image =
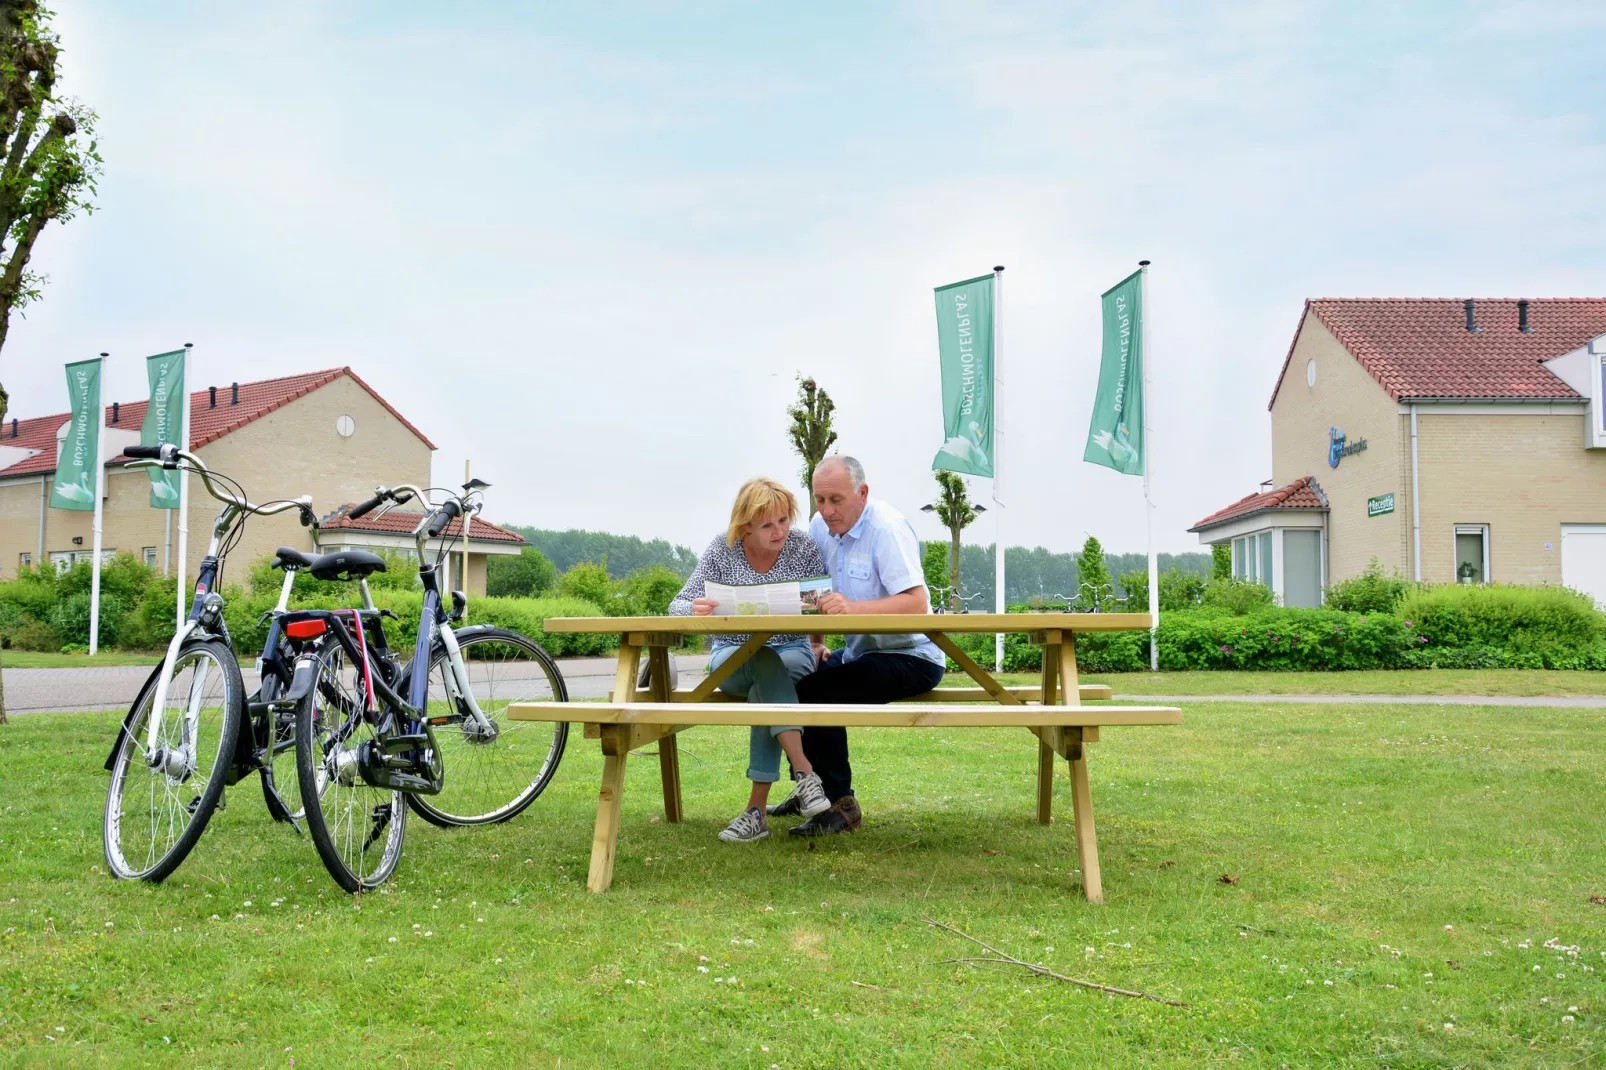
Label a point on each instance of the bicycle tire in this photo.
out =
(175, 812)
(344, 814)
(281, 781)
(488, 783)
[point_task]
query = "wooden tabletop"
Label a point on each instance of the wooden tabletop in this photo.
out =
(858, 623)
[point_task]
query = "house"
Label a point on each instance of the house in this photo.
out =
(1452, 440)
(326, 433)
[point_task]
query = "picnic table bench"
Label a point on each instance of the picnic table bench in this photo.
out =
(634, 717)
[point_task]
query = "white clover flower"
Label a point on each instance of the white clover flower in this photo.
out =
(702, 969)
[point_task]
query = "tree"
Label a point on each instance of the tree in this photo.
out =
(955, 509)
(810, 431)
(1221, 560)
(50, 163)
(525, 576)
(1094, 576)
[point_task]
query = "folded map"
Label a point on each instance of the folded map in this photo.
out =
(767, 599)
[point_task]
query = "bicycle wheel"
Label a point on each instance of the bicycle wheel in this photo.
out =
(155, 815)
(492, 776)
(357, 828)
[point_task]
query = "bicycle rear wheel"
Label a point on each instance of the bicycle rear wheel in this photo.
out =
(357, 828)
(275, 732)
(493, 776)
(158, 805)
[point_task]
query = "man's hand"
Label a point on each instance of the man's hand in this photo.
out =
(821, 651)
(835, 604)
(704, 607)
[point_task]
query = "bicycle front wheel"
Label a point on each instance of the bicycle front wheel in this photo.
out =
(492, 772)
(357, 828)
(160, 800)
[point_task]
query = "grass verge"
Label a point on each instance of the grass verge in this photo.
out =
(1400, 885)
(34, 659)
(1516, 682)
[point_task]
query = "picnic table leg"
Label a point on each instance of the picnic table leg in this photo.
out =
(605, 839)
(1087, 844)
(663, 686)
(1045, 753)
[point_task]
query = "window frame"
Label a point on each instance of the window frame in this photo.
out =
(1483, 532)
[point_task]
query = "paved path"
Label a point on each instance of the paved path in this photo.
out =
(77, 690)
(101, 688)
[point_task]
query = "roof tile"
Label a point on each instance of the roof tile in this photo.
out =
(1302, 493)
(1419, 347)
(402, 522)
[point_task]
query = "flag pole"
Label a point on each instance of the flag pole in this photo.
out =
(100, 492)
(1000, 603)
(1148, 468)
(463, 580)
(184, 407)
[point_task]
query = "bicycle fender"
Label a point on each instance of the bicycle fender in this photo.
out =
(303, 680)
(122, 731)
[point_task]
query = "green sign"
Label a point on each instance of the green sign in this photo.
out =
(79, 457)
(1115, 437)
(164, 421)
(965, 347)
(1380, 505)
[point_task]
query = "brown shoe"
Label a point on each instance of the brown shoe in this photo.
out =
(844, 816)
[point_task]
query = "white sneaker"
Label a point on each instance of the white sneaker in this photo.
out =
(749, 826)
(810, 795)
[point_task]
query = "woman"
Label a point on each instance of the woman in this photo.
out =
(760, 546)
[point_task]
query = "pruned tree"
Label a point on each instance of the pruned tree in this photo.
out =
(810, 430)
(50, 163)
(955, 509)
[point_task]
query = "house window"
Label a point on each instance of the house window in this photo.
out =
(62, 559)
(150, 556)
(24, 560)
(1251, 557)
(1472, 553)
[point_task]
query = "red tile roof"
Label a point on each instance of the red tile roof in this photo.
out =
(1302, 494)
(1421, 348)
(401, 522)
(207, 423)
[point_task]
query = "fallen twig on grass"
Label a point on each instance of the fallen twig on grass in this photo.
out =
(1269, 932)
(1043, 971)
(861, 984)
(900, 846)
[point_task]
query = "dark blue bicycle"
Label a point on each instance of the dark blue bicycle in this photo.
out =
(375, 737)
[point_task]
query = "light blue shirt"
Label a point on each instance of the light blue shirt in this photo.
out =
(877, 558)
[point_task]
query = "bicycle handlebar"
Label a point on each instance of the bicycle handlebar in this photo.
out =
(153, 452)
(364, 508)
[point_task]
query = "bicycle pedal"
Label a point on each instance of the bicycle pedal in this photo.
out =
(410, 741)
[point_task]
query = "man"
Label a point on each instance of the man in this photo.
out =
(873, 557)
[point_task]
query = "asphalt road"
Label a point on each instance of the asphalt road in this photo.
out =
(100, 688)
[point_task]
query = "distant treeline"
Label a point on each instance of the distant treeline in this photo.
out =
(1033, 573)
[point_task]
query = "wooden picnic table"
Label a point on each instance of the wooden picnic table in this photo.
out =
(634, 717)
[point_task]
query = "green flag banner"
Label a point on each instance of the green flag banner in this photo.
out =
(164, 421)
(965, 347)
(1115, 437)
(74, 485)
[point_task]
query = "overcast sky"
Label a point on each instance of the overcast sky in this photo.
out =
(591, 246)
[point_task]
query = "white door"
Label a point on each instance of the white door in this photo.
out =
(1583, 559)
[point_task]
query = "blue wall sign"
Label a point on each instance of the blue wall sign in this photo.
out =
(1338, 447)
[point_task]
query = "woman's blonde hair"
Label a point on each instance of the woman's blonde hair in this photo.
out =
(757, 499)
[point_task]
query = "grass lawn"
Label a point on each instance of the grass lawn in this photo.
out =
(1421, 682)
(33, 659)
(1367, 886)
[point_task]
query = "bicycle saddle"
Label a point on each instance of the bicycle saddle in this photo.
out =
(340, 565)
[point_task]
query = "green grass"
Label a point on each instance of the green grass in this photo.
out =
(33, 659)
(1518, 682)
(1356, 836)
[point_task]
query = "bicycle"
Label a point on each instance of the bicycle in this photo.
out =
(361, 747)
(192, 750)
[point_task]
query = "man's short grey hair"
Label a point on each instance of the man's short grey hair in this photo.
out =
(851, 465)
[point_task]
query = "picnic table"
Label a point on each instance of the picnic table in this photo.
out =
(634, 717)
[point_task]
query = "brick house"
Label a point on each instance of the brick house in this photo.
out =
(327, 433)
(1452, 440)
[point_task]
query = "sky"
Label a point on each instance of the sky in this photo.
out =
(591, 247)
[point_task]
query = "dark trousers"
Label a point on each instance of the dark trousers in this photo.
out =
(873, 678)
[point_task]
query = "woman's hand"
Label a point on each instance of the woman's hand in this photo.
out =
(703, 607)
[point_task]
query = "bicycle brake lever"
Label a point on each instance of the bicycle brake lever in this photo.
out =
(389, 613)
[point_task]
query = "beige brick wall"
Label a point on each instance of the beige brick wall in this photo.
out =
(1348, 398)
(291, 451)
(1523, 475)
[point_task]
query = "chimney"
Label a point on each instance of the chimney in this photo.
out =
(234, 393)
(211, 391)
(1522, 318)
(116, 412)
(13, 427)
(1472, 323)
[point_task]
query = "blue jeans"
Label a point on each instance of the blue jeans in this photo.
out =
(771, 675)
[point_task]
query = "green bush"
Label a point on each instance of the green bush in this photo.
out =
(1370, 592)
(528, 575)
(648, 591)
(69, 619)
(1549, 627)
(1178, 590)
(1221, 561)
(1237, 597)
(20, 631)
